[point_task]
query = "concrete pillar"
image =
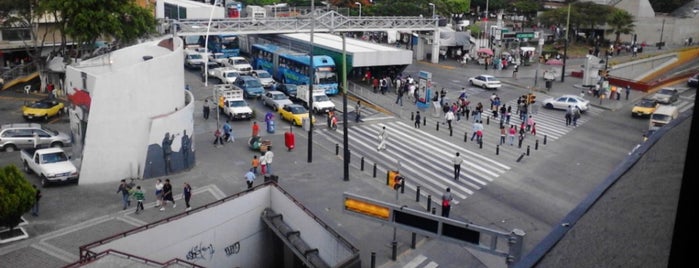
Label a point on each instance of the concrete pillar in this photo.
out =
(435, 46)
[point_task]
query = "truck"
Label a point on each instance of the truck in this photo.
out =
(226, 75)
(52, 165)
(240, 64)
(255, 12)
(231, 102)
(321, 102)
(194, 59)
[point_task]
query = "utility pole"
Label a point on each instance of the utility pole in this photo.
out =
(345, 134)
(565, 48)
(310, 87)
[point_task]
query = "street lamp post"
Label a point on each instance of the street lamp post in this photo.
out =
(360, 8)
(487, 38)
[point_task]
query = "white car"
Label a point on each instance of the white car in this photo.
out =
(275, 99)
(265, 78)
(485, 81)
(564, 101)
(218, 58)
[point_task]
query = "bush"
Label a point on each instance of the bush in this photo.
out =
(17, 196)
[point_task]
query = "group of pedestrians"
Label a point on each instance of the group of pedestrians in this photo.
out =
(163, 195)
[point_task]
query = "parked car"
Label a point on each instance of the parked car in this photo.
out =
(644, 108)
(693, 81)
(294, 113)
(275, 99)
(667, 95)
(43, 109)
(564, 101)
(485, 81)
(21, 136)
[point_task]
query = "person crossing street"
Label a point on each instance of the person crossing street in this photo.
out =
(457, 160)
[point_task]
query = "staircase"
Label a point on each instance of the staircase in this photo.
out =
(19, 74)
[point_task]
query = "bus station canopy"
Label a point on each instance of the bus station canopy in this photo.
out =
(362, 53)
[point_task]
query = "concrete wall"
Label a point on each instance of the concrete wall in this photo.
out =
(674, 31)
(195, 10)
(113, 109)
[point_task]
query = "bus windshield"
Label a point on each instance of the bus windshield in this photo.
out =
(326, 77)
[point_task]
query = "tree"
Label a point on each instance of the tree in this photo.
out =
(17, 196)
(621, 22)
(527, 8)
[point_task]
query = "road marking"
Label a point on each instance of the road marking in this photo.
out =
(415, 261)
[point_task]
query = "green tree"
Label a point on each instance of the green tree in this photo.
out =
(527, 8)
(17, 196)
(621, 22)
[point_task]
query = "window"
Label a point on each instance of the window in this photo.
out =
(16, 34)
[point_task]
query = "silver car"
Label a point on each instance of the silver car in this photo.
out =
(667, 95)
(275, 99)
(21, 135)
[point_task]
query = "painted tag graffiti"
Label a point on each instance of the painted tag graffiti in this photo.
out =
(200, 252)
(232, 249)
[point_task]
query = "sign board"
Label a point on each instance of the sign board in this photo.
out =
(528, 35)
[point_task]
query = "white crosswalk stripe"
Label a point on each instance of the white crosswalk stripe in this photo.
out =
(425, 159)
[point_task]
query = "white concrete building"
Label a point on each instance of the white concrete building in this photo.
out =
(130, 115)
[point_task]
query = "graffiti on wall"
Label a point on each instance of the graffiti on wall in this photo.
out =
(232, 249)
(201, 252)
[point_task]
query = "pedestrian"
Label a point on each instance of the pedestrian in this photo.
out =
(228, 132)
(514, 71)
(569, 115)
(449, 116)
(263, 165)
(457, 160)
(628, 91)
(442, 95)
(475, 129)
(167, 195)
(218, 138)
(533, 129)
(375, 84)
(508, 114)
(187, 192)
(130, 187)
(255, 129)
(37, 197)
(618, 93)
(139, 196)
(249, 178)
(269, 156)
(400, 93)
(417, 119)
(530, 122)
(159, 192)
(357, 111)
(36, 140)
(446, 202)
(383, 135)
(467, 111)
(576, 116)
(512, 132)
(123, 189)
(207, 109)
(503, 133)
(255, 164)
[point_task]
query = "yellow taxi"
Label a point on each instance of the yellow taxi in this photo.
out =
(44, 109)
(644, 108)
(294, 113)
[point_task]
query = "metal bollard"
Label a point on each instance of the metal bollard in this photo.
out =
(434, 211)
(465, 136)
(417, 194)
(337, 149)
(520, 157)
(527, 150)
(402, 185)
(412, 116)
(413, 240)
(429, 202)
(480, 144)
(519, 145)
(497, 149)
(487, 120)
(437, 126)
(536, 144)
(394, 250)
(544, 139)
(424, 121)
(373, 260)
(374, 170)
(362, 164)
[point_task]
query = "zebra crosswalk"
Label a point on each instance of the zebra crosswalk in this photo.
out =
(424, 159)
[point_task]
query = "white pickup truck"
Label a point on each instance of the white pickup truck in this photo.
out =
(321, 102)
(226, 75)
(52, 165)
(240, 64)
(231, 102)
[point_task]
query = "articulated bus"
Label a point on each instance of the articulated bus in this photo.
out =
(229, 45)
(293, 67)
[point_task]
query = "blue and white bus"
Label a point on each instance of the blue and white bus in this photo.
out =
(229, 44)
(292, 67)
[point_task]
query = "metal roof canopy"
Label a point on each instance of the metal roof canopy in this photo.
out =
(364, 54)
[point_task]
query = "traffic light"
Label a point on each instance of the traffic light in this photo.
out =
(398, 182)
(394, 179)
(531, 98)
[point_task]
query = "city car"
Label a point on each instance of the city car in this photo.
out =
(265, 78)
(275, 99)
(288, 89)
(485, 81)
(693, 81)
(667, 95)
(21, 136)
(45, 109)
(294, 113)
(564, 101)
(644, 108)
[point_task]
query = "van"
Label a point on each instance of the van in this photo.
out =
(21, 136)
(662, 116)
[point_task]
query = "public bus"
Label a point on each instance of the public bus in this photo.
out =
(292, 67)
(228, 44)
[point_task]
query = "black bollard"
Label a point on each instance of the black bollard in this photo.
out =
(337, 149)
(536, 144)
(527, 150)
(412, 116)
(413, 239)
(544, 139)
(373, 259)
(520, 157)
(362, 164)
(480, 144)
(417, 194)
(394, 250)
(434, 211)
(374, 170)
(437, 126)
(519, 145)
(424, 121)
(497, 149)
(465, 136)
(429, 202)
(388, 180)
(487, 120)
(402, 185)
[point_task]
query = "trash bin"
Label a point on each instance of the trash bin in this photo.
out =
(289, 140)
(270, 126)
(306, 123)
